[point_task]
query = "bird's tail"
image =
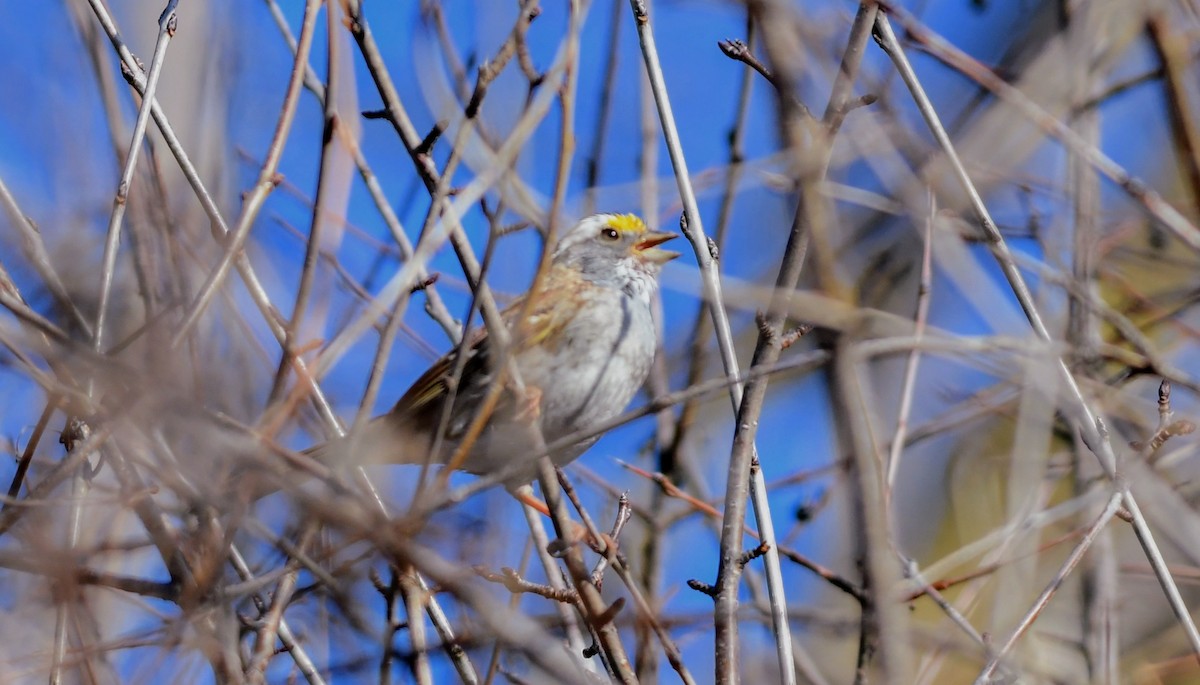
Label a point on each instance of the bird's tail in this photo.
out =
(382, 440)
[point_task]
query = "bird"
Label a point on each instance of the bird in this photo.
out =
(583, 340)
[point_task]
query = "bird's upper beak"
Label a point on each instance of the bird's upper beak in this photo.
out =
(648, 248)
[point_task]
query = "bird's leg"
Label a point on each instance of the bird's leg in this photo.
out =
(530, 409)
(578, 533)
(527, 498)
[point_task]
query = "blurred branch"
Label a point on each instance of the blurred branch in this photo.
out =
(37, 256)
(955, 58)
(1040, 603)
(1088, 422)
(1172, 49)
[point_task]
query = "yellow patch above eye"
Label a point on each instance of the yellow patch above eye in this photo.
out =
(627, 223)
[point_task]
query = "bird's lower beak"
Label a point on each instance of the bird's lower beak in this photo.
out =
(648, 248)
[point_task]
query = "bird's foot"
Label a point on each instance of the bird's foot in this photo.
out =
(531, 405)
(577, 532)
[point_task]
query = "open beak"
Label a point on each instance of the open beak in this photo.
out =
(648, 248)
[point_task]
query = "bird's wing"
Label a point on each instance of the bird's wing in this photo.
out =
(425, 398)
(543, 322)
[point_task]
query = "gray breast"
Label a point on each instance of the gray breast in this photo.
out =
(597, 367)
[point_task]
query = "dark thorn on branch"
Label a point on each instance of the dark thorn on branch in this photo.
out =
(429, 280)
(377, 114)
(430, 138)
(377, 582)
(806, 510)
(327, 133)
(486, 74)
(735, 153)
(702, 587)
(765, 330)
(591, 650)
(752, 554)
(557, 548)
(791, 337)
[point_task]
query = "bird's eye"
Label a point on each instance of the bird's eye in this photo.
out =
(610, 234)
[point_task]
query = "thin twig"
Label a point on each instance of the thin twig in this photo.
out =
(166, 30)
(307, 668)
(1043, 599)
(908, 385)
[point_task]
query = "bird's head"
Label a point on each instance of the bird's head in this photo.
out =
(616, 249)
